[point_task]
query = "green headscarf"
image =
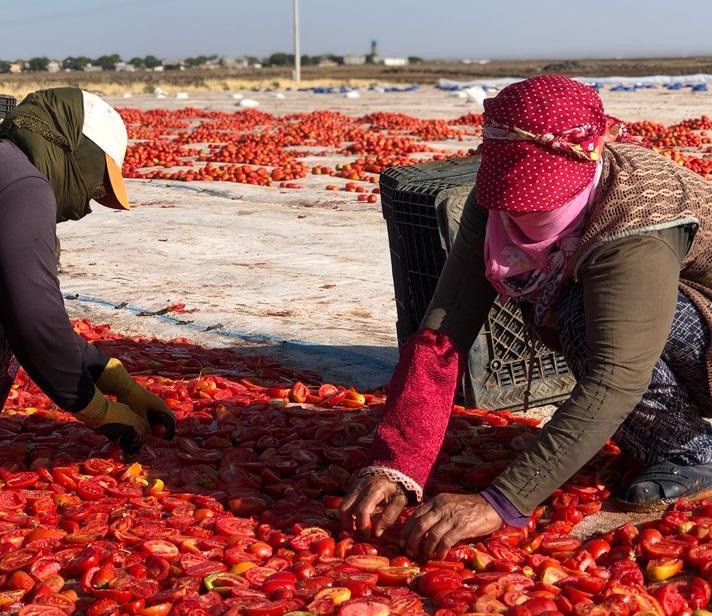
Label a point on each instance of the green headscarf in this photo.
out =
(47, 127)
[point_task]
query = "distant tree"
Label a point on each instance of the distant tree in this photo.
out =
(75, 63)
(252, 60)
(4, 66)
(414, 60)
(309, 60)
(280, 59)
(37, 64)
(137, 62)
(108, 63)
(197, 61)
(151, 62)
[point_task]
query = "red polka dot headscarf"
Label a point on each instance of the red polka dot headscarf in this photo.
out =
(541, 140)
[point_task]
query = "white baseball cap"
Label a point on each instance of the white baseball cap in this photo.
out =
(104, 126)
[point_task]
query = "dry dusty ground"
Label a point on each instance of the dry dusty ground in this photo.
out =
(302, 275)
(295, 272)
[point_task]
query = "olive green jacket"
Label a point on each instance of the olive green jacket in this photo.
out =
(642, 243)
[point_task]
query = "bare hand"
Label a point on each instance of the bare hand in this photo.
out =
(435, 526)
(368, 496)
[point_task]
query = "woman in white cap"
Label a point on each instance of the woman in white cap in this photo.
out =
(59, 149)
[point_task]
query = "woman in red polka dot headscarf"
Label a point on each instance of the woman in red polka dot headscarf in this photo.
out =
(606, 246)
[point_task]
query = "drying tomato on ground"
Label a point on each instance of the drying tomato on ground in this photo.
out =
(237, 515)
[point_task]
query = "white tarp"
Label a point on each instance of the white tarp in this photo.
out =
(650, 80)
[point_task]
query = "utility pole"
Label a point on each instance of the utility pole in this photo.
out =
(297, 56)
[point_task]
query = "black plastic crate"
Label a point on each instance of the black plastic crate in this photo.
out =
(7, 104)
(412, 199)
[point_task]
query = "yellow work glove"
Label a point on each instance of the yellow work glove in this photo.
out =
(116, 381)
(114, 420)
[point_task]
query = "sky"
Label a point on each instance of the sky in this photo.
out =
(430, 29)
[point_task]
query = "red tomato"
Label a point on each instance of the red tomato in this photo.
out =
(198, 566)
(667, 547)
(304, 570)
(260, 549)
(19, 559)
(161, 549)
(12, 500)
(365, 607)
(104, 607)
(23, 479)
(44, 567)
(308, 536)
(281, 580)
(397, 576)
(456, 599)
(257, 576)
(597, 547)
(438, 580)
(367, 563)
(327, 390)
(159, 609)
(700, 555)
(670, 599)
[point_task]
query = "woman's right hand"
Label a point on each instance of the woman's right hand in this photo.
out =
(368, 497)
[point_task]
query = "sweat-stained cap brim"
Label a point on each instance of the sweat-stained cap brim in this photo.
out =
(104, 126)
(118, 197)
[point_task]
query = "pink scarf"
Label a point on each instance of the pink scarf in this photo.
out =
(524, 252)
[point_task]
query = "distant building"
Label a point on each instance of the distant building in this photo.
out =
(394, 61)
(91, 68)
(355, 59)
(327, 63)
(234, 62)
(17, 67)
(124, 66)
(53, 66)
(173, 65)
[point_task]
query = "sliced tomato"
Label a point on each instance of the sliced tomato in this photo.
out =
(159, 609)
(44, 567)
(228, 525)
(11, 499)
(308, 536)
(161, 548)
(17, 559)
(397, 576)
(700, 555)
(327, 390)
(22, 479)
(197, 566)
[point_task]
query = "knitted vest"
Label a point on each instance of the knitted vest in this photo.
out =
(642, 191)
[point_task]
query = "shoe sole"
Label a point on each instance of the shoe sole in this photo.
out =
(662, 504)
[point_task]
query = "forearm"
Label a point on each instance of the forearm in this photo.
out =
(422, 389)
(575, 434)
(418, 407)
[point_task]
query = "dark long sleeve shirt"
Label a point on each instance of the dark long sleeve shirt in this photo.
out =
(32, 309)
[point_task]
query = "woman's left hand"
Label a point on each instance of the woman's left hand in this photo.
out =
(435, 526)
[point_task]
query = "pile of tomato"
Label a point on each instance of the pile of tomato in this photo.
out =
(238, 514)
(254, 147)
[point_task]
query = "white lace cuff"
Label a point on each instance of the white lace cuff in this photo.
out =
(408, 484)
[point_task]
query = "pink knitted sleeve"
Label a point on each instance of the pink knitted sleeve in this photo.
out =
(418, 407)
